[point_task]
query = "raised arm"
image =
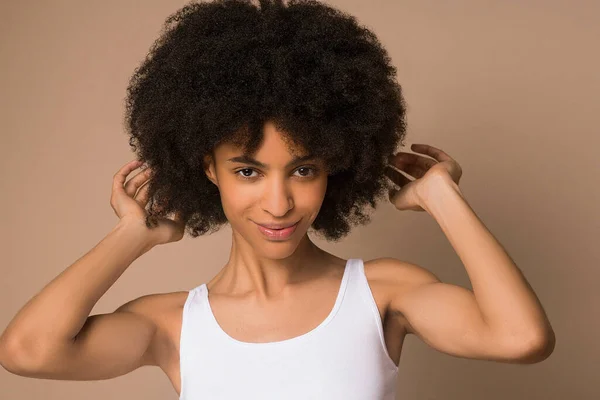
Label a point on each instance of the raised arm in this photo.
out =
(501, 318)
(54, 337)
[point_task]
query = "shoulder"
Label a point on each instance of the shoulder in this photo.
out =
(391, 279)
(163, 310)
(150, 305)
(398, 274)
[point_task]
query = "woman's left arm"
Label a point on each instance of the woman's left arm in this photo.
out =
(502, 306)
(507, 302)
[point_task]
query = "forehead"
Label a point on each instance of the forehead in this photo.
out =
(262, 152)
(274, 145)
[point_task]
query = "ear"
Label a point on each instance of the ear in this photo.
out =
(209, 169)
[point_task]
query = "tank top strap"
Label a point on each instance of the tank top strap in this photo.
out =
(358, 279)
(360, 285)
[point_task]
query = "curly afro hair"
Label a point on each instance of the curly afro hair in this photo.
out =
(221, 69)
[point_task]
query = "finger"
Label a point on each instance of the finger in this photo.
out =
(142, 195)
(397, 177)
(134, 183)
(430, 151)
(401, 160)
(121, 175)
(414, 171)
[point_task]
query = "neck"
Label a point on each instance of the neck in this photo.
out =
(263, 275)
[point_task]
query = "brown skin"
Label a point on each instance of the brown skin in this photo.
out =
(264, 282)
(501, 319)
(258, 268)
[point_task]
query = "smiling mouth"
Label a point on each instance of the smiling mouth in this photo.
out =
(278, 234)
(274, 227)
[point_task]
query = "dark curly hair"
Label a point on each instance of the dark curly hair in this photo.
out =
(221, 69)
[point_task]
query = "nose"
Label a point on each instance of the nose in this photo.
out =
(277, 198)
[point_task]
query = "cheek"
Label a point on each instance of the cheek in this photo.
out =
(314, 196)
(317, 192)
(310, 199)
(237, 197)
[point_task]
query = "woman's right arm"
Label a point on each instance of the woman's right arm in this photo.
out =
(54, 337)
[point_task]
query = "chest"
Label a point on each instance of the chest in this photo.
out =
(246, 324)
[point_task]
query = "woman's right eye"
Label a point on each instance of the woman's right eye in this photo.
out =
(244, 175)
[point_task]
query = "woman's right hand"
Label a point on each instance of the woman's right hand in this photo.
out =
(131, 207)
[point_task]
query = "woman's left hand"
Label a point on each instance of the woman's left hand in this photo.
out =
(427, 172)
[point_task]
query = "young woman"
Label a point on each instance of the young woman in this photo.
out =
(277, 120)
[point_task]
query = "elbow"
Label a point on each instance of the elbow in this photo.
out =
(15, 359)
(536, 349)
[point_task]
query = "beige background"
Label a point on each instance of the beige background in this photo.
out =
(508, 88)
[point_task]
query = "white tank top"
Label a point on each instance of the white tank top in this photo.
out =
(345, 357)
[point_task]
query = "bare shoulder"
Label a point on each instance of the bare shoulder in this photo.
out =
(164, 310)
(159, 307)
(149, 305)
(398, 274)
(390, 279)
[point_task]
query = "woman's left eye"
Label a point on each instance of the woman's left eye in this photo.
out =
(312, 171)
(303, 175)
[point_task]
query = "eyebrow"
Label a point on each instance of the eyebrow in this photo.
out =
(249, 160)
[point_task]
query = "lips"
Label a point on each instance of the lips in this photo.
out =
(278, 234)
(277, 226)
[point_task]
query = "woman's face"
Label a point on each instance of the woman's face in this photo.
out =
(286, 189)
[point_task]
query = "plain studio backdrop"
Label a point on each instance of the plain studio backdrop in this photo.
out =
(507, 88)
